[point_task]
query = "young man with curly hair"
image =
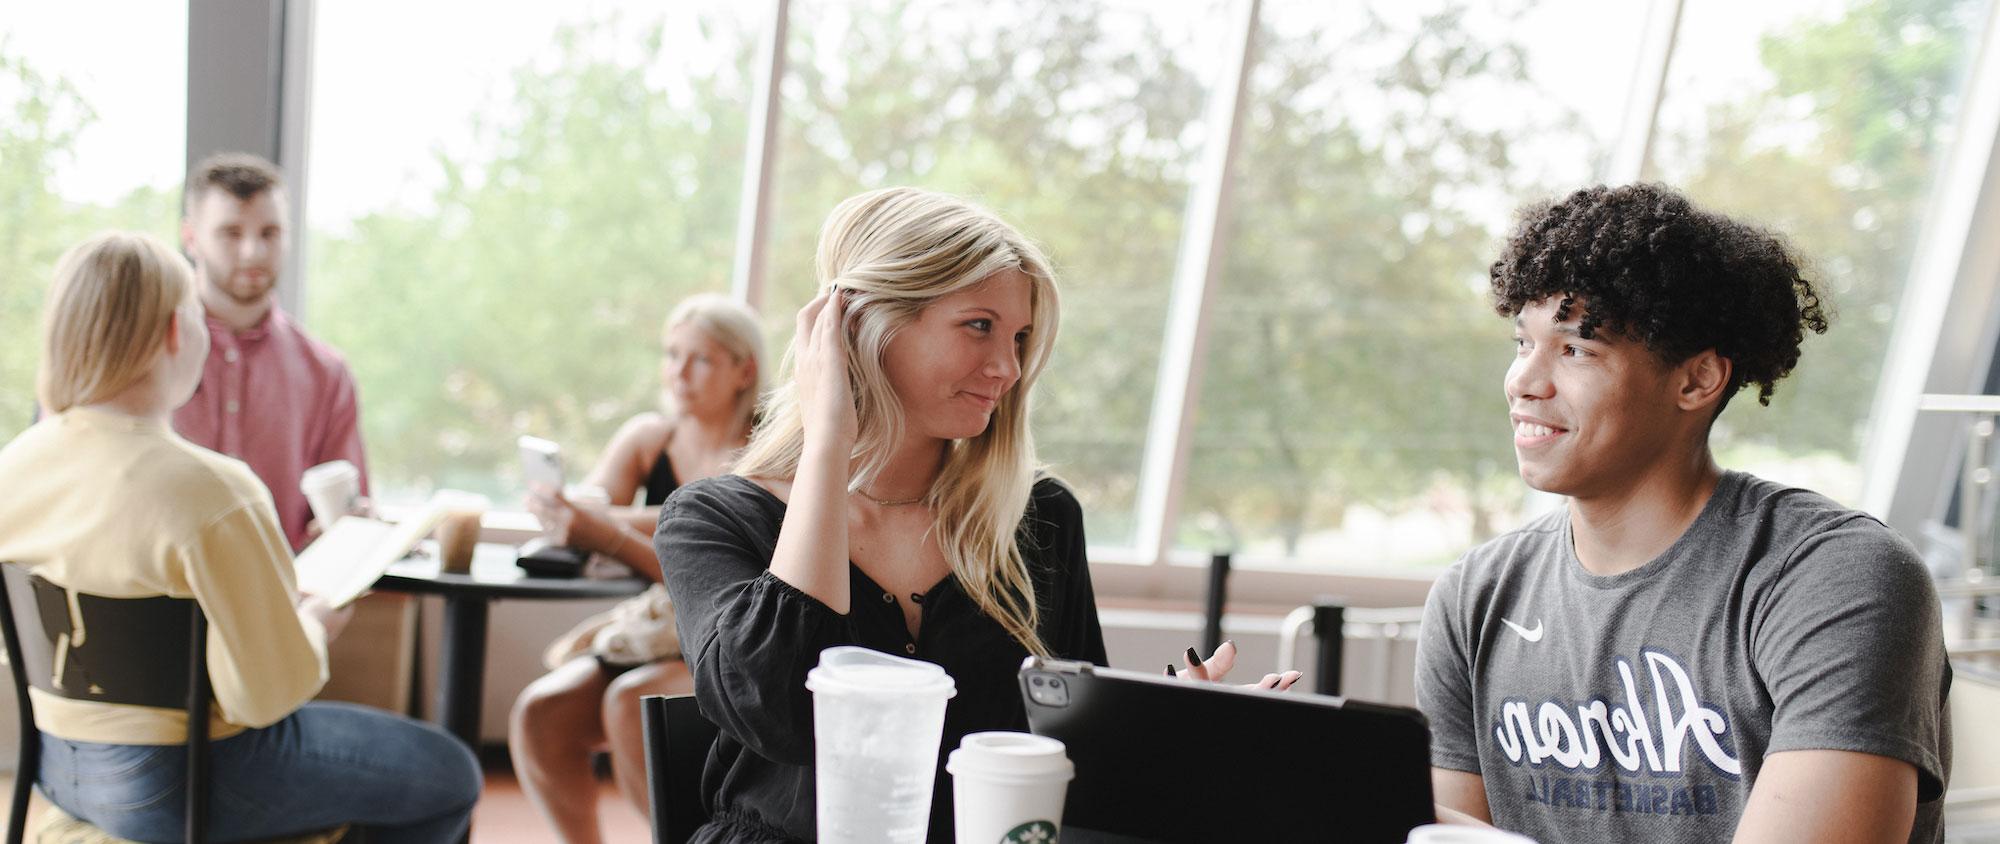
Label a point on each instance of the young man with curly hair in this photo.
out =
(1680, 653)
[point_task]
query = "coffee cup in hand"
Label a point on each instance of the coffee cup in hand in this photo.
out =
(333, 490)
(589, 498)
(1008, 787)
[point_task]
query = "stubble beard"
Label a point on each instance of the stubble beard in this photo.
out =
(245, 293)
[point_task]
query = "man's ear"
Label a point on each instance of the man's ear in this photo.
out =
(1703, 380)
(187, 235)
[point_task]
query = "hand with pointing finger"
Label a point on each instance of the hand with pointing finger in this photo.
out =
(1218, 665)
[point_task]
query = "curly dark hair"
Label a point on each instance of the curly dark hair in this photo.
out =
(1647, 265)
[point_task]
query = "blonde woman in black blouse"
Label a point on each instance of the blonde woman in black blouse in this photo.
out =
(892, 498)
(901, 444)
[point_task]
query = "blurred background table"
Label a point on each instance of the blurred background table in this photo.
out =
(462, 661)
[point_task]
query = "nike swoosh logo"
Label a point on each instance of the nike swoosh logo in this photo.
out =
(1534, 635)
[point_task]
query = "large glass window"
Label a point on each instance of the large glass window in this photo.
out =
(1351, 407)
(93, 135)
(494, 244)
(500, 222)
(1080, 122)
(1825, 120)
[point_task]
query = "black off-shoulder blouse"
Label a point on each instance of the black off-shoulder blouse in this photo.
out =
(750, 638)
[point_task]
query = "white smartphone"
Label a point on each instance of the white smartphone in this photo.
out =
(541, 462)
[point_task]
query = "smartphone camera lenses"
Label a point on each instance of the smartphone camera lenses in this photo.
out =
(1047, 690)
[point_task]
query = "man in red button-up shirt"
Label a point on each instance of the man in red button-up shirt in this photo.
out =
(271, 395)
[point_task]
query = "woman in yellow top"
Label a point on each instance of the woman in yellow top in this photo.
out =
(103, 498)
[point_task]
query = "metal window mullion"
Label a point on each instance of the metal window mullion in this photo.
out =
(1943, 340)
(294, 126)
(1177, 390)
(753, 220)
(239, 96)
(1649, 89)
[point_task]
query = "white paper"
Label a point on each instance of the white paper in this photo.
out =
(346, 560)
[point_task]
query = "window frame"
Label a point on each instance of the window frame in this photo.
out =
(1951, 298)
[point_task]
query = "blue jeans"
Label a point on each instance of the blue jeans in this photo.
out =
(325, 765)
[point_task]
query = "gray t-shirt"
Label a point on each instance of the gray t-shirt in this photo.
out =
(1640, 706)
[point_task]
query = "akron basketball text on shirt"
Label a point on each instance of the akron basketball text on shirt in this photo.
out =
(1632, 737)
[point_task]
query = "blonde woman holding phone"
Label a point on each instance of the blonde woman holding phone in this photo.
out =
(711, 365)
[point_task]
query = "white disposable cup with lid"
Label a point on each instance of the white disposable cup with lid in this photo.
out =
(1008, 787)
(589, 497)
(332, 490)
(586, 498)
(1438, 833)
(877, 723)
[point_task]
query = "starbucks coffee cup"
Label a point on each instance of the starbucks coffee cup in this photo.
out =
(1438, 833)
(1008, 787)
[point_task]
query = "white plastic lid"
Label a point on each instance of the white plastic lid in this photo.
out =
(855, 670)
(1446, 834)
(331, 472)
(459, 501)
(1010, 756)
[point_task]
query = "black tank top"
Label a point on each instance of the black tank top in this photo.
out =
(661, 482)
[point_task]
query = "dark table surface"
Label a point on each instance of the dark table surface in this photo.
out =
(494, 575)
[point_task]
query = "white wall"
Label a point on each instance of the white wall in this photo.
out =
(1975, 763)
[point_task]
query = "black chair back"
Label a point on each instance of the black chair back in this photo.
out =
(118, 654)
(677, 739)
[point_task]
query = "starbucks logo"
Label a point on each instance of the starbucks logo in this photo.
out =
(1032, 832)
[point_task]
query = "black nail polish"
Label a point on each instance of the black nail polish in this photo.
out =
(1194, 659)
(1170, 670)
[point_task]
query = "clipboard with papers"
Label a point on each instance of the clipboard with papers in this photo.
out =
(346, 561)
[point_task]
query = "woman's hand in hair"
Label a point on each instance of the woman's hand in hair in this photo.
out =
(812, 546)
(826, 399)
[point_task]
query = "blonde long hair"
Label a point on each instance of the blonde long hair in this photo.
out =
(108, 314)
(734, 327)
(896, 251)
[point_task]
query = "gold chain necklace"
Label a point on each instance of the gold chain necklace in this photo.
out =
(891, 502)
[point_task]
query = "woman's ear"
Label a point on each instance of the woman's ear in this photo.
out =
(174, 332)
